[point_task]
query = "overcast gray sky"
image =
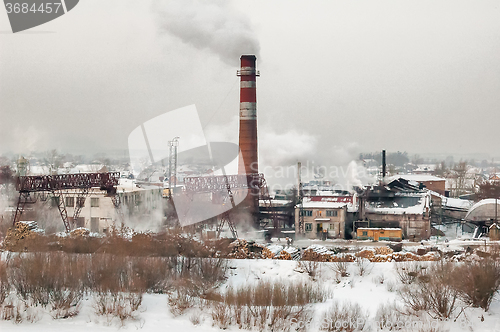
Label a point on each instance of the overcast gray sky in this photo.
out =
(337, 77)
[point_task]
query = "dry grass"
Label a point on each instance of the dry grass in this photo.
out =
(267, 306)
(478, 282)
(434, 291)
(221, 315)
(117, 305)
(390, 317)
(4, 283)
(346, 317)
(57, 281)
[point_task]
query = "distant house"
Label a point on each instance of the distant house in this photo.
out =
(322, 218)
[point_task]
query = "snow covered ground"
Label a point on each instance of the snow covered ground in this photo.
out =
(367, 290)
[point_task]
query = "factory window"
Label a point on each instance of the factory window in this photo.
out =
(94, 224)
(309, 227)
(80, 201)
(307, 213)
(331, 213)
(94, 202)
(70, 201)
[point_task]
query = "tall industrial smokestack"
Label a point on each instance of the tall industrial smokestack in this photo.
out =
(248, 116)
(248, 162)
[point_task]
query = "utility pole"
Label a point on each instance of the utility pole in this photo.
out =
(300, 198)
(172, 162)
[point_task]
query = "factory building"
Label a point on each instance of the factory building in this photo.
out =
(322, 218)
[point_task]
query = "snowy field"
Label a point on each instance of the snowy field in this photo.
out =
(378, 286)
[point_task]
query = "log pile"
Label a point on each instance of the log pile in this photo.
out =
(239, 249)
(22, 231)
(284, 255)
(242, 249)
(80, 232)
(383, 251)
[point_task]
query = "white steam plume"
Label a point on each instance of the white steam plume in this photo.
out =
(211, 25)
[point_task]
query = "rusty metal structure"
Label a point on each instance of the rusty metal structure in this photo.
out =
(223, 184)
(58, 185)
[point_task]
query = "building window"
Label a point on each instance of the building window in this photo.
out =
(332, 226)
(94, 224)
(331, 213)
(307, 213)
(309, 227)
(94, 202)
(365, 233)
(70, 201)
(80, 202)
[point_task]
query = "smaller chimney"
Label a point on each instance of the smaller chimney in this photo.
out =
(383, 165)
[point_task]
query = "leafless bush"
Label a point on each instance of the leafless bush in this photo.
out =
(390, 317)
(41, 279)
(117, 304)
(409, 271)
(195, 318)
(221, 315)
(340, 268)
(8, 311)
(310, 267)
(181, 299)
(65, 303)
(364, 266)
(271, 305)
(478, 282)
(433, 292)
(347, 317)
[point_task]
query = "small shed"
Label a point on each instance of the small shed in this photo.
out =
(495, 232)
(376, 234)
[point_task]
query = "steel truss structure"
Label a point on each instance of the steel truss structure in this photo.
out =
(58, 186)
(228, 183)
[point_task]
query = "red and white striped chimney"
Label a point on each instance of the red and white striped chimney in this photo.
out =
(248, 116)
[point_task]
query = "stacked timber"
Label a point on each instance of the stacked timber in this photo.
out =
(80, 232)
(383, 251)
(239, 249)
(22, 231)
(317, 253)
